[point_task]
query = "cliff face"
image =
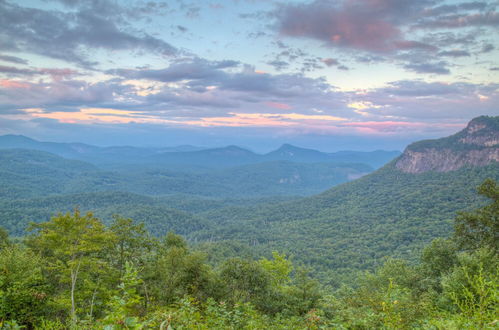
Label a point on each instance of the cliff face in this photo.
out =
(476, 145)
(445, 160)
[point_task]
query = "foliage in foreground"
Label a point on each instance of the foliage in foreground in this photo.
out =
(74, 272)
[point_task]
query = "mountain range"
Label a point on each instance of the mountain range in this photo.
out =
(39, 179)
(233, 200)
(193, 156)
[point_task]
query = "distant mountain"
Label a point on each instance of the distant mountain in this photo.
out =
(181, 148)
(32, 173)
(296, 154)
(90, 153)
(191, 158)
(40, 163)
(476, 145)
(217, 157)
(69, 150)
(235, 156)
(374, 159)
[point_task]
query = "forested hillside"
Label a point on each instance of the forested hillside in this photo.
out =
(358, 224)
(35, 185)
(75, 272)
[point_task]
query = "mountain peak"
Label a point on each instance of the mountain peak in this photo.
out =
(15, 138)
(482, 131)
(288, 146)
(476, 145)
(234, 147)
(294, 153)
(229, 150)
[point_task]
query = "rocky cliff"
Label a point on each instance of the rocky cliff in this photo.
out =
(476, 145)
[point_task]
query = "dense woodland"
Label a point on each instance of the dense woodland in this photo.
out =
(75, 272)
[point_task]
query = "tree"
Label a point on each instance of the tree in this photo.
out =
(176, 272)
(472, 287)
(437, 259)
(480, 228)
(124, 305)
(132, 242)
(23, 288)
(305, 292)
(73, 244)
(246, 281)
(279, 269)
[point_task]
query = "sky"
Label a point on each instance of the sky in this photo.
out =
(330, 75)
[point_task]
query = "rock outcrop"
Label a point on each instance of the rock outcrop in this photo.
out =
(476, 145)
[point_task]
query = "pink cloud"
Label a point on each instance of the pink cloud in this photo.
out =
(59, 74)
(277, 105)
(93, 115)
(372, 25)
(395, 127)
(265, 120)
(6, 83)
(330, 61)
(384, 127)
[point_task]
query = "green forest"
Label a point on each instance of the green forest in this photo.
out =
(354, 226)
(75, 272)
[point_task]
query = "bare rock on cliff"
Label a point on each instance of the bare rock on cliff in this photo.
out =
(476, 145)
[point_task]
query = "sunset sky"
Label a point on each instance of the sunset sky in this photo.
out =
(331, 75)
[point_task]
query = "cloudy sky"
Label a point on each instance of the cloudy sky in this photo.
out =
(339, 74)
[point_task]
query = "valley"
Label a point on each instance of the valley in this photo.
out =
(333, 218)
